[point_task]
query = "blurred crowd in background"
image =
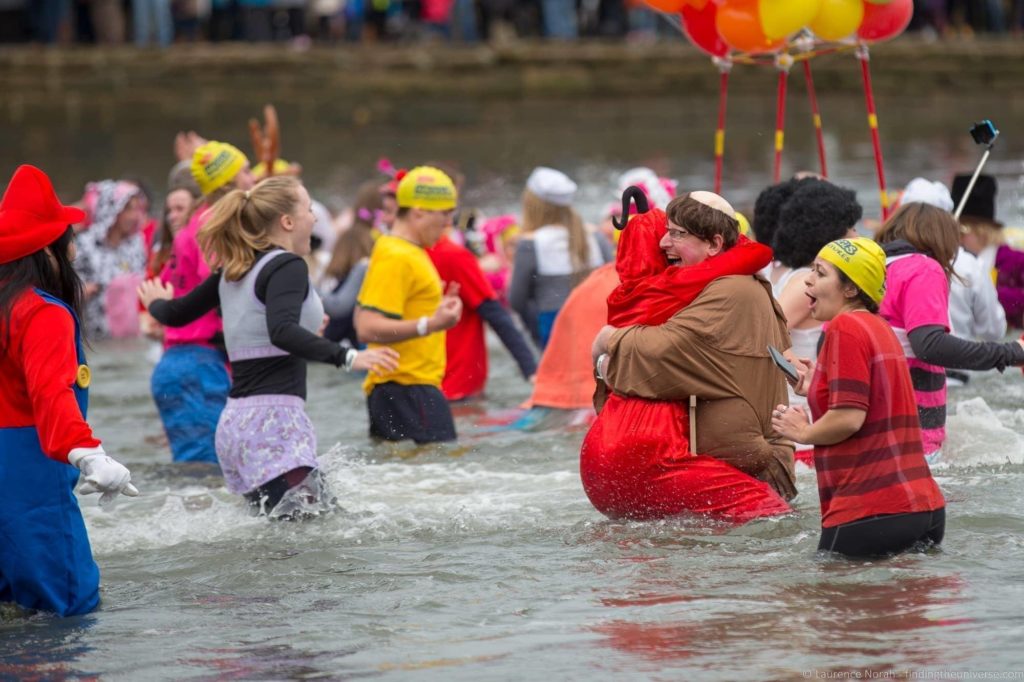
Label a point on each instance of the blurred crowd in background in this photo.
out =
(164, 22)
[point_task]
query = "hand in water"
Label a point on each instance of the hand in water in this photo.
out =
(377, 360)
(152, 290)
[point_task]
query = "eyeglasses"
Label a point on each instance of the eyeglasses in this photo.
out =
(678, 234)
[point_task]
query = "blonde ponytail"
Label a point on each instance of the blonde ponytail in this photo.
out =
(240, 223)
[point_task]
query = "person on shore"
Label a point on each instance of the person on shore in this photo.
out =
(714, 348)
(402, 304)
(920, 243)
(877, 494)
(111, 259)
(554, 254)
(465, 373)
(637, 460)
(265, 442)
(190, 383)
(46, 443)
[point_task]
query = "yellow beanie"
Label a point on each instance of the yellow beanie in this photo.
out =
(215, 164)
(744, 223)
(426, 187)
(860, 259)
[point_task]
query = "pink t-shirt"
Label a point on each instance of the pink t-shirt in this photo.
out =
(185, 270)
(917, 295)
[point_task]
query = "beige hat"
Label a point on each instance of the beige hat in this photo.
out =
(714, 201)
(552, 186)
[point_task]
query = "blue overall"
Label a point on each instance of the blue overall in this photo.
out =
(45, 559)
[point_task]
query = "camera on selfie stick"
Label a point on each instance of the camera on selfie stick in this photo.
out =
(983, 132)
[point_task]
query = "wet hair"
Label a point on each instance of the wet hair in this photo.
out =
(931, 230)
(239, 226)
(537, 213)
(50, 270)
(357, 241)
(767, 208)
(816, 213)
(862, 298)
(702, 221)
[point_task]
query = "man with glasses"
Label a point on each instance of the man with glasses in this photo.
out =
(716, 349)
(402, 304)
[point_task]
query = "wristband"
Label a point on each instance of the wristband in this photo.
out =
(350, 358)
(597, 366)
(421, 326)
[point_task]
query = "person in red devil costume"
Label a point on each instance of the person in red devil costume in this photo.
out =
(45, 443)
(636, 461)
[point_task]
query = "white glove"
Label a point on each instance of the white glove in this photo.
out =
(102, 474)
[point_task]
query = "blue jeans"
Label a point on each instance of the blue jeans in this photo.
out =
(155, 16)
(560, 19)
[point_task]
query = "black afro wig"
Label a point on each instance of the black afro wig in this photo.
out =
(767, 207)
(816, 213)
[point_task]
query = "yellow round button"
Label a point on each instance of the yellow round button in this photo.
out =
(84, 376)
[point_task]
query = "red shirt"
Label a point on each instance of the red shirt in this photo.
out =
(466, 372)
(880, 469)
(39, 366)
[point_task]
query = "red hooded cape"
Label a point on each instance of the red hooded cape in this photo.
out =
(635, 461)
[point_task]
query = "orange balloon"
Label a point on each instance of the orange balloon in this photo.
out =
(739, 25)
(667, 5)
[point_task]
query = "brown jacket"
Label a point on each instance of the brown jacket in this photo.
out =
(717, 349)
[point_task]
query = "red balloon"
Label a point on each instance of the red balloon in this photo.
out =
(699, 26)
(882, 22)
(666, 5)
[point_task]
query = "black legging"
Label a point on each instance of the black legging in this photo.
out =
(266, 497)
(885, 534)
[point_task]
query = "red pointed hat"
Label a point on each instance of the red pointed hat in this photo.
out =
(31, 215)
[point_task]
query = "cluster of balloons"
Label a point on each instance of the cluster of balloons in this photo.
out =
(719, 27)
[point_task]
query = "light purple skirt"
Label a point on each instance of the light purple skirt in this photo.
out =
(261, 437)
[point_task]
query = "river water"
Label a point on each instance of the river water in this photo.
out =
(484, 561)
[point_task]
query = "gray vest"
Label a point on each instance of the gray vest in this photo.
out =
(245, 317)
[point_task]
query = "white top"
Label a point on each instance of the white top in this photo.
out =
(974, 310)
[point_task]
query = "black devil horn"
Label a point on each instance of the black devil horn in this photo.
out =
(632, 194)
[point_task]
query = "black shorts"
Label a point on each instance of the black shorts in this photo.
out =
(419, 413)
(886, 534)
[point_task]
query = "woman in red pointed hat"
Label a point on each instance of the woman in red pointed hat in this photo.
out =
(45, 559)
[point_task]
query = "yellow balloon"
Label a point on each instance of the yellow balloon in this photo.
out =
(837, 19)
(779, 18)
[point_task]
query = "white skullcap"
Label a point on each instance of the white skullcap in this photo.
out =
(552, 186)
(714, 201)
(924, 191)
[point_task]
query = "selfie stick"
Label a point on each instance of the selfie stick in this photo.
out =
(977, 172)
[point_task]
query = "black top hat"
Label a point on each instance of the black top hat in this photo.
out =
(982, 201)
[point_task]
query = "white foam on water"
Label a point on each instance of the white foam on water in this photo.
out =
(977, 436)
(377, 500)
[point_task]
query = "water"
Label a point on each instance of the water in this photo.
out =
(484, 561)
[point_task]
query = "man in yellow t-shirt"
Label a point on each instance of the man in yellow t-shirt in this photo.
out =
(402, 305)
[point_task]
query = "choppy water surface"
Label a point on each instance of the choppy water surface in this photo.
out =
(485, 561)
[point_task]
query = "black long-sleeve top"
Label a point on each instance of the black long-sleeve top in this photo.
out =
(281, 286)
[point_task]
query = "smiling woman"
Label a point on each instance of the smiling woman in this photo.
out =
(877, 493)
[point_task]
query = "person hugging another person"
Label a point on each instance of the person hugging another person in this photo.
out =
(554, 255)
(877, 494)
(46, 562)
(111, 255)
(190, 383)
(920, 243)
(265, 442)
(402, 304)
